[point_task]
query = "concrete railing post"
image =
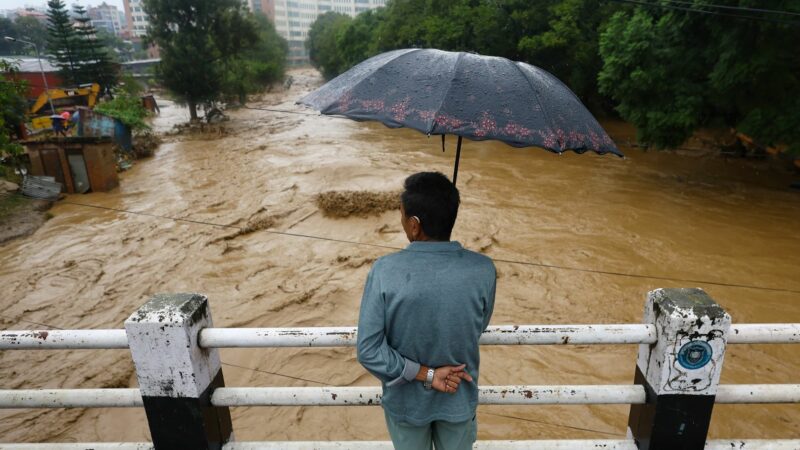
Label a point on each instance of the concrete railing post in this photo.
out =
(680, 372)
(176, 376)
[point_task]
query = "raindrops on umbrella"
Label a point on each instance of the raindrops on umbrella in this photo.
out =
(468, 95)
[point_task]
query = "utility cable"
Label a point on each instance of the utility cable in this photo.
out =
(734, 8)
(507, 261)
(714, 13)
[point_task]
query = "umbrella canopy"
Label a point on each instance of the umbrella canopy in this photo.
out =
(464, 94)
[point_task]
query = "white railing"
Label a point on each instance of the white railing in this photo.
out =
(562, 444)
(602, 334)
(223, 397)
(626, 394)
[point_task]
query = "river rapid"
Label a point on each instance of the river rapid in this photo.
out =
(687, 220)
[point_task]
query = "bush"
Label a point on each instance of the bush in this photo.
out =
(128, 109)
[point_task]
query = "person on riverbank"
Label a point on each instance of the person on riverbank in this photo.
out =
(422, 313)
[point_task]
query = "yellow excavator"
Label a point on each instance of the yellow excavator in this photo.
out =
(62, 98)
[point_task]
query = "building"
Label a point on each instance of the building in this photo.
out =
(37, 13)
(137, 22)
(108, 17)
(30, 71)
(293, 18)
(266, 7)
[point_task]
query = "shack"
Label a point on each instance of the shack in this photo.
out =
(80, 164)
(95, 124)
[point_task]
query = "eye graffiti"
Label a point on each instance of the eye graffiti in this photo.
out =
(695, 354)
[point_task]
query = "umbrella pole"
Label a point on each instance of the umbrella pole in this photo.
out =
(458, 157)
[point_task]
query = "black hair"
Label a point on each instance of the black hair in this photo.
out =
(434, 200)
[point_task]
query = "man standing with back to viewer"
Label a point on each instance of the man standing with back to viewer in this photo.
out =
(423, 311)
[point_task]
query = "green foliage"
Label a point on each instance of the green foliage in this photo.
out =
(128, 109)
(13, 108)
(96, 63)
(23, 27)
(560, 36)
(258, 66)
(667, 71)
(81, 57)
(62, 41)
(744, 75)
(322, 46)
(200, 44)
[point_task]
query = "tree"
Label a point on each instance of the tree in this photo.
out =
(13, 108)
(257, 67)
(322, 46)
(96, 64)
(62, 41)
(745, 75)
(567, 45)
(124, 50)
(33, 30)
(198, 41)
(358, 41)
(23, 27)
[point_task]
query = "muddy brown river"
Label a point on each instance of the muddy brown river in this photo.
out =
(684, 219)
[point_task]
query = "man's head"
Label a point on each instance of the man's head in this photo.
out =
(429, 206)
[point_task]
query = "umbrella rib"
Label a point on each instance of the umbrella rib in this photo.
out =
(538, 100)
(433, 120)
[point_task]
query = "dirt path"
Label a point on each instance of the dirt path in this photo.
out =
(656, 214)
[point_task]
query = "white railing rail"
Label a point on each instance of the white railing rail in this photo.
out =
(187, 319)
(371, 396)
(598, 334)
(561, 444)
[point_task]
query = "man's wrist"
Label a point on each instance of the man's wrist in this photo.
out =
(422, 374)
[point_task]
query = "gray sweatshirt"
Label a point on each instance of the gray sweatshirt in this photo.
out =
(428, 305)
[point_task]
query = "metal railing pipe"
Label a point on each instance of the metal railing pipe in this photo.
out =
(563, 444)
(487, 395)
(494, 335)
(62, 339)
(369, 395)
(758, 393)
(601, 334)
(70, 398)
(764, 333)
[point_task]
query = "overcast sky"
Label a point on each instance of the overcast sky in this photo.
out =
(14, 4)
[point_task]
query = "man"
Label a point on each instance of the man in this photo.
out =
(422, 314)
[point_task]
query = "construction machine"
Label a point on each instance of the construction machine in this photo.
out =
(62, 98)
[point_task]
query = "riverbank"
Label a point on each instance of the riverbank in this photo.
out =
(557, 222)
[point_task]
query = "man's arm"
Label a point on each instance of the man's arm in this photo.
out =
(488, 305)
(374, 352)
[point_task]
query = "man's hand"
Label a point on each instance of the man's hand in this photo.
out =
(448, 378)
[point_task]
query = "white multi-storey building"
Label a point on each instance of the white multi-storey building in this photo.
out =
(293, 18)
(137, 18)
(108, 17)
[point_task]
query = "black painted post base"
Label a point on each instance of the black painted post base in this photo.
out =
(188, 423)
(671, 421)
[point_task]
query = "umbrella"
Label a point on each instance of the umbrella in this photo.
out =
(464, 94)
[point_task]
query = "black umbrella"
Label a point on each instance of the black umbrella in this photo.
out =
(465, 94)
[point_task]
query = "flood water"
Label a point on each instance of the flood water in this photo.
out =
(684, 219)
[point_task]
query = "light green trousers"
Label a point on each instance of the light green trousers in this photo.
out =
(439, 434)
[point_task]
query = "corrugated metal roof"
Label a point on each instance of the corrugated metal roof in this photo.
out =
(30, 64)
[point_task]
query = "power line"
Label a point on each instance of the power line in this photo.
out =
(735, 8)
(507, 261)
(550, 423)
(715, 13)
